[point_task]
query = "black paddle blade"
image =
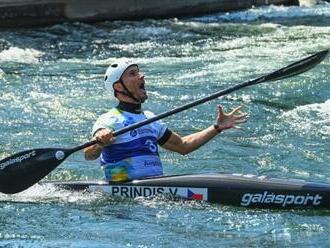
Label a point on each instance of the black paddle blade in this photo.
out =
(22, 170)
(297, 67)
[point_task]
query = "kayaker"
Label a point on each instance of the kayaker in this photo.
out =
(134, 155)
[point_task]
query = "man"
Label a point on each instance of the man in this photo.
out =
(135, 155)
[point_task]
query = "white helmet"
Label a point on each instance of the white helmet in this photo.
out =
(114, 72)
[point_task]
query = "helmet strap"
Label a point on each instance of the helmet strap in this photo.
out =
(126, 92)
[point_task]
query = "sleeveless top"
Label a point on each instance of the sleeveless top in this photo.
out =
(134, 154)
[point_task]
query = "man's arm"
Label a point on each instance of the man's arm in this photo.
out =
(189, 143)
(93, 152)
(104, 138)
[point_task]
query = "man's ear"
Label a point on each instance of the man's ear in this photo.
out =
(118, 87)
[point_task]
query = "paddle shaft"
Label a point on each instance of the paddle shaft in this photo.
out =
(288, 71)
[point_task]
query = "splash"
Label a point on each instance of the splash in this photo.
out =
(317, 114)
(2, 74)
(308, 3)
(46, 193)
(270, 12)
(19, 55)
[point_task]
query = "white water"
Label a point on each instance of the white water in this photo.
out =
(20, 55)
(54, 100)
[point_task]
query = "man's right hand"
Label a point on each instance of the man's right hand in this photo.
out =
(104, 137)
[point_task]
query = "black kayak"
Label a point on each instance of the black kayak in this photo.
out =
(226, 189)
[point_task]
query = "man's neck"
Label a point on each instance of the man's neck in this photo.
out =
(134, 108)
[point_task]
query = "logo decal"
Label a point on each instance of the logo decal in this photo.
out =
(152, 147)
(195, 196)
(146, 191)
(59, 155)
(128, 122)
(133, 133)
(17, 160)
(283, 200)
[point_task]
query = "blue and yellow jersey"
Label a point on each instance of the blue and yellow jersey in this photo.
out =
(134, 154)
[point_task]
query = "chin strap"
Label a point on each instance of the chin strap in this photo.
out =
(126, 92)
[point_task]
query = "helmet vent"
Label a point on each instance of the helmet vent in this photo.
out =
(114, 65)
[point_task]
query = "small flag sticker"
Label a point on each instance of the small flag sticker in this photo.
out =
(195, 196)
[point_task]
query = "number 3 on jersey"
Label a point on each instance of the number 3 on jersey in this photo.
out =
(151, 145)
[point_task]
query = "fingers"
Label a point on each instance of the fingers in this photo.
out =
(241, 116)
(232, 119)
(236, 110)
(104, 137)
(220, 109)
(240, 121)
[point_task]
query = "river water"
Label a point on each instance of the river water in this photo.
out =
(52, 92)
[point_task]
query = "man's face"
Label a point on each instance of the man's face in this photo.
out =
(134, 81)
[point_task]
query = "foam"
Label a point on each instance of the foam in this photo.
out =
(316, 114)
(15, 54)
(269, 12)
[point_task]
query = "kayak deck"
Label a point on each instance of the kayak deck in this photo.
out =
(227, 189)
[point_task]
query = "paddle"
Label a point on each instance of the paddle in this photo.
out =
(20, 171)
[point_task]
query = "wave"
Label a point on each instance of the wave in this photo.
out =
(269, 12)
(48, 193)
(311, 118)
(20, 55)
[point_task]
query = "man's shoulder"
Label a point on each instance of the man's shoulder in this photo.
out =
(148, 113)
(111, 120)
(113, 114)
